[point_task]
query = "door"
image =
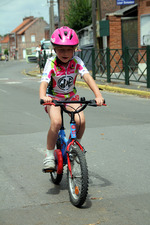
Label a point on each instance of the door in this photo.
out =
(24, 53)
(129, 32)
(130, 39)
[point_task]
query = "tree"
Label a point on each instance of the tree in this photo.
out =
(6, 51)
(79, 14)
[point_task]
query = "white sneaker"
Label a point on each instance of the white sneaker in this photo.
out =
(49, 163)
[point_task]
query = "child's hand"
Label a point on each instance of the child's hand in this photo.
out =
(99, 101)
(47, 99)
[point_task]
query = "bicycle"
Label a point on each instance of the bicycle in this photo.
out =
(70, 152)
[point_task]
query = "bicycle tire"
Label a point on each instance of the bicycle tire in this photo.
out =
(58, 143)
(78, 192)
(56, 176)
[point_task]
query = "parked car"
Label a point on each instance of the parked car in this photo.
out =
(2, 57)
(31, 55)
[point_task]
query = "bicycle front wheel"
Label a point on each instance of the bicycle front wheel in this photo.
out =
(78, 183)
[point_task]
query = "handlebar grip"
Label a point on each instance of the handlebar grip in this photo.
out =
(104, 103)
(54, 102)
(93, 103)
(41, 101)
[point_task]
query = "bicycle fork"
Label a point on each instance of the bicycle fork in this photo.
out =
(69, 154)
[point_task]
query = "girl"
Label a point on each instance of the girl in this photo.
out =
(58, 82)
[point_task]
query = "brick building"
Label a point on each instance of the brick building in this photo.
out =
(4, 43)
(107, 6)
(123, 27)
(103, 7)
(124, 21)
(27, 35)
(130, 27)
(62, 9)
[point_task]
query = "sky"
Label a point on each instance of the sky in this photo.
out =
(12, 12)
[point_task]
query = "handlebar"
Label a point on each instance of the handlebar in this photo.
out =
(62, 104)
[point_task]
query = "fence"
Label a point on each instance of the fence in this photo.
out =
(128, 64)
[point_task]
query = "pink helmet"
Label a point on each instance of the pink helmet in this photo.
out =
(64, 36)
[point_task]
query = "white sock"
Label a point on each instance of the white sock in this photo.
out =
(49, 153)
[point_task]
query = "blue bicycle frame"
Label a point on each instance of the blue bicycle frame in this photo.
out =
(63, 140)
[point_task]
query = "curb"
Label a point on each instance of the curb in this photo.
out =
(144, 94)
(119, 90)
(33, 74)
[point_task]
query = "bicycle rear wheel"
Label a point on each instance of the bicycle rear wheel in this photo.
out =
(78, 183)
(57, 175)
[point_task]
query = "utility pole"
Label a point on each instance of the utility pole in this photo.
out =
(94, 22)
(51, 16)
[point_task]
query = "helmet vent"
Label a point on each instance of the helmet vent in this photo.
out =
(71, 36)
(60, 36)
(65, 33)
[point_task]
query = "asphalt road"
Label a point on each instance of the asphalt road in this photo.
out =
(117, 141)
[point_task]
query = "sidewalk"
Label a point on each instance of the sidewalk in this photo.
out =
(135, 88)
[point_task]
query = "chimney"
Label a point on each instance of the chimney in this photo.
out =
(28, 17)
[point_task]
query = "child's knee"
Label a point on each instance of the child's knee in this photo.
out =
(56, 124)
(80, 120)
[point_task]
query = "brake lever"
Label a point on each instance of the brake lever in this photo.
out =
(93, 103)
(55, 102)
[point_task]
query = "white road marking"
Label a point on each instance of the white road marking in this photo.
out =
(4, 78)
(14, 82)
(3, 91)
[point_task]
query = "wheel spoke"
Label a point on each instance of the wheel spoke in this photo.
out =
(78, 183)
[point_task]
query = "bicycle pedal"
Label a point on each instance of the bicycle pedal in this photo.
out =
(48, 170)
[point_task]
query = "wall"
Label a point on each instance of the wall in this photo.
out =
(115, 39)
(63, 5)
(107, 6)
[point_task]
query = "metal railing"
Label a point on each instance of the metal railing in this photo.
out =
(128, 64)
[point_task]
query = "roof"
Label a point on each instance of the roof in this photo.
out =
(25, 23)
(121, 12)
(5, 39)
(27, 26)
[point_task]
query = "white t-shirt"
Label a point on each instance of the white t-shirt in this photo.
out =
(62, 80)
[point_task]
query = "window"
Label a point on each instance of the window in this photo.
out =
(23, 38)
(32, 38)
